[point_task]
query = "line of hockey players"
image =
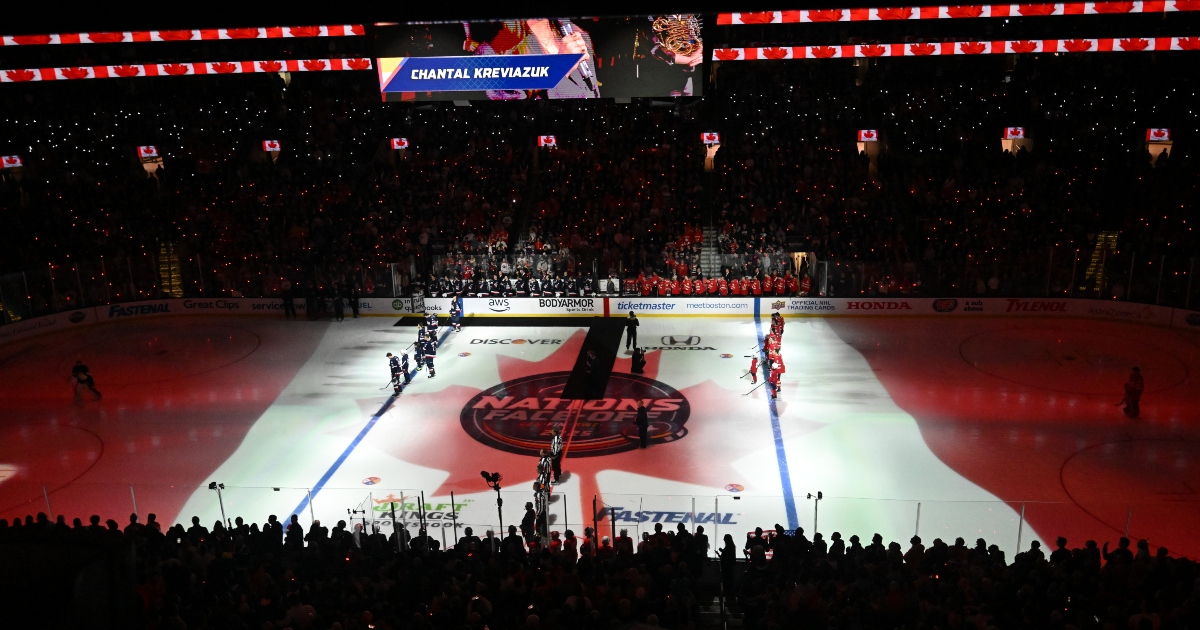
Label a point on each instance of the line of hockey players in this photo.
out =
(773, 367)
(521, 285)
(730, 284)
(424, 349)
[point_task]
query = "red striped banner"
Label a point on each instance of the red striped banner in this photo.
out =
(180, 69)
(957, 12)
(271, 32)
(958, 48)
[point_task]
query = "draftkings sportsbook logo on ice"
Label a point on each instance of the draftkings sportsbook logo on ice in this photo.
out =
(519, 416)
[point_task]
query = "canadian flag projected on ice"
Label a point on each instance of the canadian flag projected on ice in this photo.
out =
(147, 152)
(399, 143)
(1158, 135)
(547, 141)
(710, 137)
(271, 146)
(10, 161)
(868, 135)
(1014, 133)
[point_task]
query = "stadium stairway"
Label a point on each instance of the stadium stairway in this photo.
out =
(710, 260)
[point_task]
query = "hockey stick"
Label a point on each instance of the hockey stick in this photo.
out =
(755, 387)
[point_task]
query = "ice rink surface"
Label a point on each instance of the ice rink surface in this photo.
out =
(982, 427)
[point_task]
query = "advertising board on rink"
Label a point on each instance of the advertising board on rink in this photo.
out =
(532, 306)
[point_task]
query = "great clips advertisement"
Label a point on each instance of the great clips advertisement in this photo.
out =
(542, 59)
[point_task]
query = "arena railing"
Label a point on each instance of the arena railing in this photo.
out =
(1011, 525)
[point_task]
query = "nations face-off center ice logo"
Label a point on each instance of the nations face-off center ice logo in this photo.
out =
(519, 416)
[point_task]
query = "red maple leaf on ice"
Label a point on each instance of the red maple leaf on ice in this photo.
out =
(1113, 7)
(727, 54)
(972, 48)
(895, 14)
(922, 49)
(430, 444)
(825, 15)
(312, 65)
(1077, 45)
(19, 75)
(1024, 47)
(270, 66)
(824, 52)
(175, 36)
(966, 11)
(874, 50)
(775, 53)
(1134, 44)
(127, 71)
(358, 64)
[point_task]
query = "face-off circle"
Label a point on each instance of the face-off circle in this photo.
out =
(519, 416)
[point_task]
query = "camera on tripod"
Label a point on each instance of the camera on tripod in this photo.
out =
(492, 479)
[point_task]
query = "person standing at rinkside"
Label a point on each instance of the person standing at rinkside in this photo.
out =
(631, 326)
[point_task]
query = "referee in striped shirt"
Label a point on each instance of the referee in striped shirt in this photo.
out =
(556, 453)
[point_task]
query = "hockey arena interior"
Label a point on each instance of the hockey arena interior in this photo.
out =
(813, 317)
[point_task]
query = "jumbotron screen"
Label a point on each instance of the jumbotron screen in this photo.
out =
(612, 57)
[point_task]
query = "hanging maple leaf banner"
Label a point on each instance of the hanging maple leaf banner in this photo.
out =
(710, 137)
(399, 143)
(271, 146)
(181, 69)
(868, 135)
(924, 49)
(271, 32)
(1014, 133)
(10, 161)
(147, 152)
(955, 12)
(1158, 135)
(547, 141)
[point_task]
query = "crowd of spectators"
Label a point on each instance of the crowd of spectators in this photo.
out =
(280, 575)
(942, 209)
